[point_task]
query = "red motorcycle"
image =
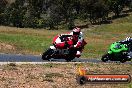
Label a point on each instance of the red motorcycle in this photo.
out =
(67, 53)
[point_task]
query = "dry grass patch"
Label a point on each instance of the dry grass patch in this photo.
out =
(30, 31)
(58, 75)
(4, 46)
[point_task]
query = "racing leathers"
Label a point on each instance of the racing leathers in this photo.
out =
(75, 41)
(128, 42)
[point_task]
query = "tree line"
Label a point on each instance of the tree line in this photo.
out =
(52, 13)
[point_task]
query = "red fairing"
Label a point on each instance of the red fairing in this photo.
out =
(60, 45)
(70, 42)
(54, 39)
(75, 38)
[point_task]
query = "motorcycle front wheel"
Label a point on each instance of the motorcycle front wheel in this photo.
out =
(105, 57)
(47, 54)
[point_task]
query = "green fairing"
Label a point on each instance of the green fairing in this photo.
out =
(117, 47)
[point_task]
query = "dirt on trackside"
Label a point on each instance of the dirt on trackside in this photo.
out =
(58, 75)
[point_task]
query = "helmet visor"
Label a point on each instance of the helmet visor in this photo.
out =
(76, 33)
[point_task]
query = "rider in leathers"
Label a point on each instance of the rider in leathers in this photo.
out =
(76, 36)
(128, 41)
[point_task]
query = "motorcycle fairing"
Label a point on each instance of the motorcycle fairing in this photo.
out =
(117, 47)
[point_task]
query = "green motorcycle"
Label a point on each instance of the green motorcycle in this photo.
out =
(117, 52)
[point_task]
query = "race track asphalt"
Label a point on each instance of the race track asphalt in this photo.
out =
(33, 59)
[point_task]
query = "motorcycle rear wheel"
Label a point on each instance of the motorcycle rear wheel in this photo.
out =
(71, 55)
(123, 60)
(69, 59)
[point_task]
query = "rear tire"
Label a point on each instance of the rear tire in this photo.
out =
(71, 55)
(123, 60)
(47, 54)
(69, 59)
(123, 57)
(105, 57)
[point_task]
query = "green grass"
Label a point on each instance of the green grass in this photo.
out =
(27, 41)
(30, 41)
(101, 37)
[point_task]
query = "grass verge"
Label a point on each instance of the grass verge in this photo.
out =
(30, 41)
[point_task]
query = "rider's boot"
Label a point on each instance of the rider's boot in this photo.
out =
(128, 57)
(78, 54)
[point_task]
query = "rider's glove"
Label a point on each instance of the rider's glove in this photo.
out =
(74, 46)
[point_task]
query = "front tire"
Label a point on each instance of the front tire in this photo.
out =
(47, 54)
(105, 57)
